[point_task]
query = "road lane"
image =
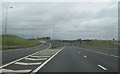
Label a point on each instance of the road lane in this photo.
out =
(11, 55)
(73, 59)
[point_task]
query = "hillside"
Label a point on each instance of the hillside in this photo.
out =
(17, 41)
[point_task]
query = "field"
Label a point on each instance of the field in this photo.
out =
(17, 41)
(104, 46)
(100, 43)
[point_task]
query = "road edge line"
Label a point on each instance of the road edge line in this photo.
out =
(102, 53)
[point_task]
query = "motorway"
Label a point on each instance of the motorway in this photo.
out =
(74, 59)
(64, 59)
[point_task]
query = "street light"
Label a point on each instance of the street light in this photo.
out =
(6, 24)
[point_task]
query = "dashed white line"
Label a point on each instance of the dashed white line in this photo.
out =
(35, 59)
(85, 56)
(38, 68)
(22, 63)
(102, 67)
(21, 71)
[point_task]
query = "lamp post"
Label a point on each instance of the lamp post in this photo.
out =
(6, 24)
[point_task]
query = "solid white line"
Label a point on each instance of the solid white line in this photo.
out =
(22, 63)
(8, 70)
(39, 56)
(102, 67)
(21, 58)
(49, 46)
(35, 59)
(38, 68)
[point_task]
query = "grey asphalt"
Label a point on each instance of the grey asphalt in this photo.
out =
(71, 59)
(11, 55)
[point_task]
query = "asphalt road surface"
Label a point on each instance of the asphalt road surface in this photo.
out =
(64, 59)
(74, 59)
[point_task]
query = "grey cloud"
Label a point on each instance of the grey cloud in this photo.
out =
(75, 19)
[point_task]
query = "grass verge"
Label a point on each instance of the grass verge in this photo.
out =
(104, 46)
(17, 41)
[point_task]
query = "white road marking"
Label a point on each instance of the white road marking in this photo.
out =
(22, 58)
(38, 68)
(78, 52)
(22, 63)
(85, 56)
(35, 59)
(22, 71)
(102, 67)
(108, 54)
(39, 56)
(102, 53)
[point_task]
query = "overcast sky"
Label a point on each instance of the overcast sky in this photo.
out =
(85, 20)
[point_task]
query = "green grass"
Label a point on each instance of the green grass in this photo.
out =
(17, 41)
(0, 42)
(59, 44)
(100, 43)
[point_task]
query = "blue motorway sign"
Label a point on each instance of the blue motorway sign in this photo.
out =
(30, 39)
(55, 42)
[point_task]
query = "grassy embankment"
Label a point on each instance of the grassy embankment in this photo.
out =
(17, 41)
(104, 46)
(100, 43)
(0, 42)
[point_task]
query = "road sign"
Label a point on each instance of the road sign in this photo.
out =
(55, 42)
(30, 39)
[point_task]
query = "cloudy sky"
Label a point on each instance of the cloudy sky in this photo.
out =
(71, 20)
